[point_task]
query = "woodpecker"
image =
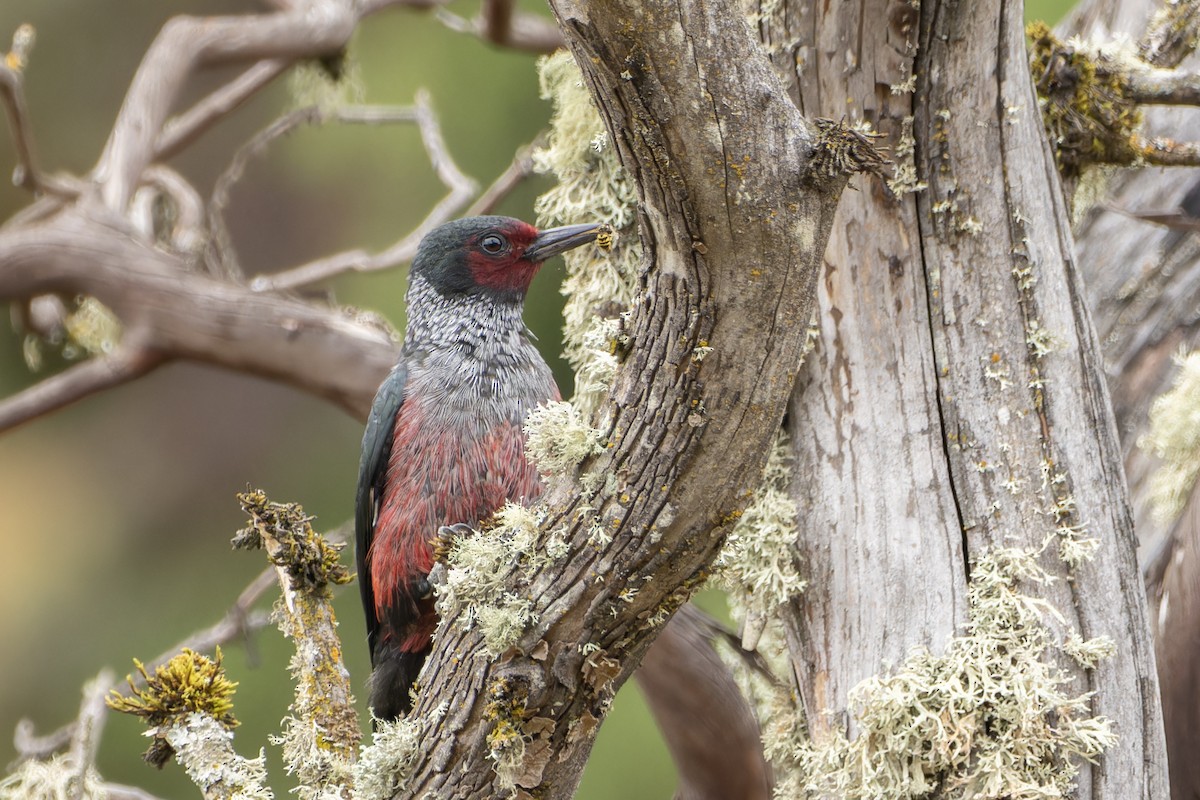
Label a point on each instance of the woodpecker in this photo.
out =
(444, 444)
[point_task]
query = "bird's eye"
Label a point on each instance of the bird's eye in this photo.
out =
(493, 243)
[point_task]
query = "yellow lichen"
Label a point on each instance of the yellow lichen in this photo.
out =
(1085, 103)
(189, 683)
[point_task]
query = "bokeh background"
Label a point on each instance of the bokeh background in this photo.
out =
(116, 514)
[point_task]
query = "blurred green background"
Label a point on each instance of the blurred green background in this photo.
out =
(116, 514)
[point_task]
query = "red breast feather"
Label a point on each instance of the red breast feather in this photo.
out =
(437, 476)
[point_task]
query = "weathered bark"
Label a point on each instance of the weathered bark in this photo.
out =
(1143, 283)
(712, 141)
(713, 737)
(954, 413)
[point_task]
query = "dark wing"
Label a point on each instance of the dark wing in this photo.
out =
(372, 468)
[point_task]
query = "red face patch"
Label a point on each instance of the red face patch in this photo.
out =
(496, 257)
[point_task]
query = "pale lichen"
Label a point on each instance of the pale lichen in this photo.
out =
(991, 717)
(1174, 437)
(204, 748)
(55, 778)
(558, 438)
(758, 562)
(384, 766)
(478, 574)
(592, 187)
(321, 732)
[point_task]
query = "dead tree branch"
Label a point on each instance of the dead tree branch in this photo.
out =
(461, 188)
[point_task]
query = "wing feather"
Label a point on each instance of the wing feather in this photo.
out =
(372, 469)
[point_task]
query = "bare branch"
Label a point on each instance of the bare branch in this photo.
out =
(506, 27)
(1162, 152)
(77, 382)
(185, 44)
(181, 314)
(520, 169)
(184, 129)
(696, 701)
(461, 188)
(1164, 87)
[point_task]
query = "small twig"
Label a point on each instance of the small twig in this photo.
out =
(221, 257)
(520, 169)
(1176, 220)
(89, 724)
(461, 188)
(27, 175)
(239, 622)
(1161, 152)
(530, 33)
(1164, 87)
(31, 746)
(178, 132)
(96, 374)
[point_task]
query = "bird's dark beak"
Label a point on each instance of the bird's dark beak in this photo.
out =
(550, 243)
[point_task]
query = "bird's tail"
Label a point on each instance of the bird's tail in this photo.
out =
(392, 680)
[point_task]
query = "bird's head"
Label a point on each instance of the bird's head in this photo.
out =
(495, 256)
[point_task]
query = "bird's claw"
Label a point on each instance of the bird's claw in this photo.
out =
(446, 535)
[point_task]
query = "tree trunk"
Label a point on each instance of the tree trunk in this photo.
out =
(713, 144)
(1143, 287)
(968, 408)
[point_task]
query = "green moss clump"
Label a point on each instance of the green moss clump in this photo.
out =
(1085, 104)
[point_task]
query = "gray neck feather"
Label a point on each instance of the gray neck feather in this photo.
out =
(474, 347)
